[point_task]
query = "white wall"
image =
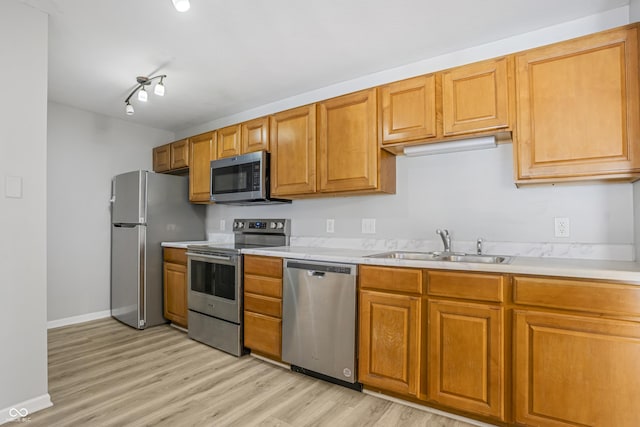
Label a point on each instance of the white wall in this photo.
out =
(85, 151)
(472, 194)
(23, 265)
(634, 11)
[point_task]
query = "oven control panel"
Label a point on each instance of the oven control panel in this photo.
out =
(266, 226)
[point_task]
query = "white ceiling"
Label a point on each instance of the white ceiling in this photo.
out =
(225, 57)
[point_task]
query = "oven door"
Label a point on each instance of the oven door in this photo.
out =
(215, 285)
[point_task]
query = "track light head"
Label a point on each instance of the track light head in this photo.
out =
(181, 5)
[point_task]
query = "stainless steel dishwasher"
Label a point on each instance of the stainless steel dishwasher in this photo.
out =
(319, 320)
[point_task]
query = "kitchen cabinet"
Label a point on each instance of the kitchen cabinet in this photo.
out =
(577, 109)
(349, 157)
(408, 110)
(477, 97)
(228, 141)
(175, 285)
(390, 334)
(171, 157)
(255, 135)
(263, 305)
(293, 152)
(577, 346)
(162, 158)
(466, 362)
(202, 149)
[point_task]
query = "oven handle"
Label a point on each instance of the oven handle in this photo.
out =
(209, 257)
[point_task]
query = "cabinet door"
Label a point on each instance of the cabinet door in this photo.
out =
(577, 109)
(180, 154)
(475, 97)
(389, 342)
(408, 110)
(263, 334)
(162, 158)
(347, 142)
(175, 293)
(202, 151)
(572, 370)
(466, 360)
(293, 152)
(255, 135)
(229, 142)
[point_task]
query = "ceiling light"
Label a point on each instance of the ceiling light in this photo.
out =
(143, 95)
(181, 5)
(159, 87)
(451, 146)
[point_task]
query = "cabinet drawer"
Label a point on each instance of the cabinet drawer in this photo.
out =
(391, 279)
(263, 266)
(267, 286)
(263, 334)
(582, 295)
(175, 255)
(482, 287)
(263, 305)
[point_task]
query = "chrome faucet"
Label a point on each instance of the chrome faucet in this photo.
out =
(446, 239)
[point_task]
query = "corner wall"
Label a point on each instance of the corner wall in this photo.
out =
(85, 151)
(23, 209)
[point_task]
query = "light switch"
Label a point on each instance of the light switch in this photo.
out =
(368, 225)
(13, 187)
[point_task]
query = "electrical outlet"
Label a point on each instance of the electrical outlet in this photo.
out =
(223, 225)
(368, 225)
(562, 227)
(331, 225)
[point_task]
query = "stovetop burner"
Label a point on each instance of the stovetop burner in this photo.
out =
(250, 233)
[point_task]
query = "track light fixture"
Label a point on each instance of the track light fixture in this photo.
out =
(143, 95)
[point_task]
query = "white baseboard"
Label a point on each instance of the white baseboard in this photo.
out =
(78, 319)
(20, 411)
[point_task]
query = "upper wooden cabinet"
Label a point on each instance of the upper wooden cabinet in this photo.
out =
(202, 149)
(477, 97)
(229, 143)
(162, 158)
(408, 110)
(170, 157)
(255, 135)
(349, 158)
(293, 152)
(577, 109)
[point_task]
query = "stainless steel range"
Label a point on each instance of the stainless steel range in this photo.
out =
(215, 282)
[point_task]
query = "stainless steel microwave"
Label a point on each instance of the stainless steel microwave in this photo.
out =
(242, 180)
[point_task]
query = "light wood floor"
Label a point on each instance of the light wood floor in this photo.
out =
(104, 373)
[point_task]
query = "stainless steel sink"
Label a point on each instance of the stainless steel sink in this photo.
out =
(420, 256)
(444, 256)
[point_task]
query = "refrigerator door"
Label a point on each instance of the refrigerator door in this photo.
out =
(128, 254)
(129, 198)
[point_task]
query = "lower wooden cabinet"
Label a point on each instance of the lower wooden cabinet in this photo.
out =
(575, 370)
(389, 341)
(263, 305)
(465, 359)
(175, 286)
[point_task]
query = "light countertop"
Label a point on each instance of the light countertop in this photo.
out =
(627, 271)
(183, 245)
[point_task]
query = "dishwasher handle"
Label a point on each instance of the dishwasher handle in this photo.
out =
(315, 273)
(320, 269)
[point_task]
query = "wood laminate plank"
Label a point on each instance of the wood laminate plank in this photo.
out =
(104, 373)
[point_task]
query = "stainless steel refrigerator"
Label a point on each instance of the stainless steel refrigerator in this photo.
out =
(147, 208)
